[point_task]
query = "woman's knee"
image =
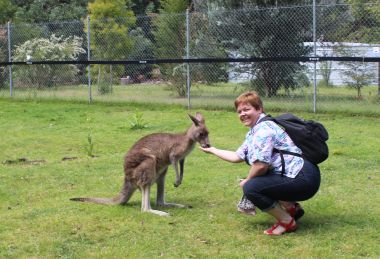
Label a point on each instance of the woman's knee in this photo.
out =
(253, 191)
(250, 189)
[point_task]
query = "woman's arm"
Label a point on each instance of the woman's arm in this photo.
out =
(226, 155)
(257, 169)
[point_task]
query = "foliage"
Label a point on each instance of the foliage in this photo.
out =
(27, 13)
(356, 74)
(110, 23)
(110, 39)
(50, 10)
(143, 7)
(3, 54)
(143, 49)
(169, 32)
(138, 122)
(357, 22)
(54, 48)
(332, 21)
(268, 32)
(7, 10)
(364, 26)
(178, 80)
(204, 44)
(105, 79)
(325, 69)
(90, 144)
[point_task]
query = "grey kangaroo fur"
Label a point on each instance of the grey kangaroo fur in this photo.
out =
(148, 160)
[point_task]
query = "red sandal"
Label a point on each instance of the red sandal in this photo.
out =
(296, 211)
(290, 227)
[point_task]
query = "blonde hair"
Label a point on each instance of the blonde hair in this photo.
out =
(251, 98)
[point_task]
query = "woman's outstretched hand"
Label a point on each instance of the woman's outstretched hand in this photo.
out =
(208, 149)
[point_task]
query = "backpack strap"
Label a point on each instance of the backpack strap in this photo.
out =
(282, 152)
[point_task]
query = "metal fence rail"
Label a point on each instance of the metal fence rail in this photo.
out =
(309, 58)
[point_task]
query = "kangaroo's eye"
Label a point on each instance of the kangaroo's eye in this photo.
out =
(203, 134)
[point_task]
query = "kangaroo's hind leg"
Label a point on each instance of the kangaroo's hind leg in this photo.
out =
(160, 201)
(146, 172)
(145, 202)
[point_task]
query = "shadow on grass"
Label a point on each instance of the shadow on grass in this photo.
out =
(318, 223)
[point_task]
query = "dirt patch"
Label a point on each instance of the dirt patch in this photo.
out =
(23, 161)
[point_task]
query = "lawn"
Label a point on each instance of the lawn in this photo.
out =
(44, 161)
(216, 96)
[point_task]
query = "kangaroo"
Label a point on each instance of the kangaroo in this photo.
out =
(148, 160)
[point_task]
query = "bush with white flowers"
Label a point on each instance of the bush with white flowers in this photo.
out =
(47, 49)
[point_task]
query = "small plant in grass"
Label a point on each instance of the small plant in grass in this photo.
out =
(90, 143)
(138, 122)
(104, 81)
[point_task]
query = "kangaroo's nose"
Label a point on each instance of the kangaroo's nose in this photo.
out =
(206, 145)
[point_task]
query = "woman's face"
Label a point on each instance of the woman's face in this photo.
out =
(248, 115)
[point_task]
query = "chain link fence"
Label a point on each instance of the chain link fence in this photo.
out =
(307, 58)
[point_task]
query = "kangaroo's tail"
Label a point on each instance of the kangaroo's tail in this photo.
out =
(123, 197)
(113, 201)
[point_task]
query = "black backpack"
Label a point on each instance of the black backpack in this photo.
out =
(310, 136)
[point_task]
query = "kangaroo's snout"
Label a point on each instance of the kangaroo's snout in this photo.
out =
(205, 145)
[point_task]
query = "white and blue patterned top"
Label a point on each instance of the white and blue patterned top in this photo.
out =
(259, 143)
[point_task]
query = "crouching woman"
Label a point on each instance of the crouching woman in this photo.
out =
(271, 189)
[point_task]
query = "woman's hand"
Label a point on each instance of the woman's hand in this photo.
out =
(210, 150)
(242, 182)
(257, 169)
(226, 155)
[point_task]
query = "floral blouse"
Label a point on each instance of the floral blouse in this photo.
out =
(259, 143)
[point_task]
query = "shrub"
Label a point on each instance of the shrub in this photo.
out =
(42, 49)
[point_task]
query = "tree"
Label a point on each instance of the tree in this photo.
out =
(366, 25)
(110, 39)
(50, 10)
(7, 10)
(263, 29)
(143, 7)
(3, 54)
(169, 32)
(43, 18)
(204, 43)
(356, 74)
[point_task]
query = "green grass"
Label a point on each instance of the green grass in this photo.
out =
(38, 220)
(218, 96)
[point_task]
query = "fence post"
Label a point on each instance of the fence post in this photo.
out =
(315, 54)
(10, 60)
(88, 59)
(188, 81)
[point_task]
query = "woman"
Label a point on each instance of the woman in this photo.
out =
(265, 185)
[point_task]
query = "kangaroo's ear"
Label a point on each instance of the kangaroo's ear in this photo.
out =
(199, 117)
(195, 120)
